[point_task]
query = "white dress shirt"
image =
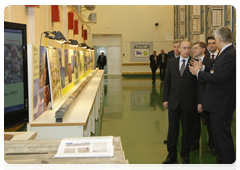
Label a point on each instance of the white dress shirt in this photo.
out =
(202, 58)
(215, 54)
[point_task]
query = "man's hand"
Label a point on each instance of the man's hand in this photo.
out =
(165, 105)
(200, 109)
(195, 63)
(195, 67)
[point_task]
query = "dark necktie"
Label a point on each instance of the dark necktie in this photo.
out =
(213, 56)
(182, 68)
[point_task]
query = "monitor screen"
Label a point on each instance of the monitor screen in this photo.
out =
(15, 75)
(13, 70)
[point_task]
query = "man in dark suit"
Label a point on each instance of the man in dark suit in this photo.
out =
(175, 52)
(198, 52)
(153, 64)
(179, 96)
(162, 64)
(102, 61)
(219, 96)
(212, 50)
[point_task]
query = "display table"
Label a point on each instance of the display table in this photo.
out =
(22, 135)
(80, 120)
(42, 151)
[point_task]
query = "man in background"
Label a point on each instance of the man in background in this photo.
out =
(162, 64)
(212, 50)
(175, 52)
(153, 65)
(212, 53)
(198, 50)
(102, 61)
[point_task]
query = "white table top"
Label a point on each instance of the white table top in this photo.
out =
(79, 111)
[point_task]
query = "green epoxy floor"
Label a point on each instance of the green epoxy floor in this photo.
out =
(133, 110)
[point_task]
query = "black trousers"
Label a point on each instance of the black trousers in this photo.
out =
(209, 129)
(196, 130)
(154, 68)
(162, 71)
(174, 117)
(222, 136)
(101, 67)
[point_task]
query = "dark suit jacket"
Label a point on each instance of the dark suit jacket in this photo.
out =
(160, 58)
(220, 92)
(201, 84)
(207, 54)
(152, 61)
(177, 90)
(104, 61)
(171, 54)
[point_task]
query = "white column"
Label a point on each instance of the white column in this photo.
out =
(31, 25)
(65, 21)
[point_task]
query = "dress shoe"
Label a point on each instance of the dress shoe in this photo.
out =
(165, 141)
(215, 168)
(213, 152)
(193, 148)
(169, 161)
(185, 160)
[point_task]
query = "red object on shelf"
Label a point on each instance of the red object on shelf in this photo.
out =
(55, 13)
(75, 31)
(70, 20)
(36, 6)
(85, 35)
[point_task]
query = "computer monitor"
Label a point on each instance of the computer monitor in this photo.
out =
(15, 75)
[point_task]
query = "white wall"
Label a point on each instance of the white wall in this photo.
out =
(113, 43)
(135, 23)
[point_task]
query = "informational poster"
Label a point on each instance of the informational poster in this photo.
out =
(76, 53)
(70, 62)
(55, 77)
(141, 51)
(81, 63)
(41, 91)
(78, 67)
(66, 67)
(61, 66)
(38, 99)
(35, 57)
(86, 61)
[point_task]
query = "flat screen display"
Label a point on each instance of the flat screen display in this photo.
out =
(13, 70)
